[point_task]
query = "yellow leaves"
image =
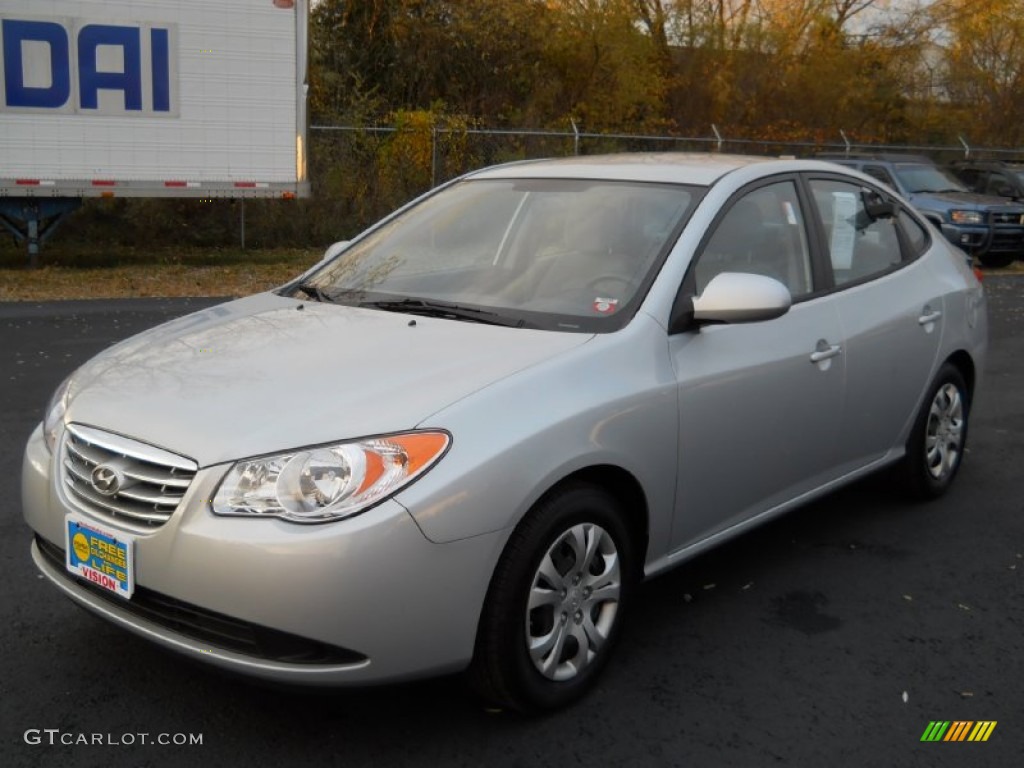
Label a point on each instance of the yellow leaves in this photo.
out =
(627, 65)
(410, 156)
(985, 65)
(410, 148)
(611, 74)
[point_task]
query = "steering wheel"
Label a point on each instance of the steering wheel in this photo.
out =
(594, 283)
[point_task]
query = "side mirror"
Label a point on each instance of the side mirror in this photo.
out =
(334, 249)
(739, 297)
(876, 206)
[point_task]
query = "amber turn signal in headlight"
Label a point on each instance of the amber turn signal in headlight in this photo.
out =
(331, 482)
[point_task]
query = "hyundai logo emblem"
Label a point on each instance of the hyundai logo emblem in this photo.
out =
(106, 480)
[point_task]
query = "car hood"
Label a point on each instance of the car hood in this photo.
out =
(268, 374)
(968, 201)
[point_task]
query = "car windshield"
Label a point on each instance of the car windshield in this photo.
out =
(555, 254)
(919, 177)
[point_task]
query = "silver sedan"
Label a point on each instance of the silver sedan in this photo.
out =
(462, 440)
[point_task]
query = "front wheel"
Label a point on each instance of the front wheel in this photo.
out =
(936, 445)
(555, 606)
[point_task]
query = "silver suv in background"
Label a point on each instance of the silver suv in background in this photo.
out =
(986, 226)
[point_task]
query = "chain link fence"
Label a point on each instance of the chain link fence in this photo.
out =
(361, 173)
(454, 151)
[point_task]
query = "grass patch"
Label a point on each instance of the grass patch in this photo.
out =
(129, 273)
(62, 254)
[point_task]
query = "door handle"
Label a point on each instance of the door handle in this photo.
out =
(825, 351)
(929, 317)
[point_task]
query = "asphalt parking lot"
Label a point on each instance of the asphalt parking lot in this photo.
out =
(831, 637)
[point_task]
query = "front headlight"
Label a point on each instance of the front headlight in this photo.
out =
(327, 483)
(967, 217)
(55, 411)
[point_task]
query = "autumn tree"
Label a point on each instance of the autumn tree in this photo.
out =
(786, 69)
(352, 55)
(476, 57)
(986, 66)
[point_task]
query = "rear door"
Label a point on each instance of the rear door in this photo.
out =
(891, 312)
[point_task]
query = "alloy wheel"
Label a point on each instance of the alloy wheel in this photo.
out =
(573, 601)
(944, 433)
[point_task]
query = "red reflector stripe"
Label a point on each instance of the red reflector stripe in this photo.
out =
(175, 183)
(103, 183)
(246, 184)
(27, 182)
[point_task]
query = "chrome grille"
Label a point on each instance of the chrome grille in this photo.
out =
(122, 480)
(1008, 218)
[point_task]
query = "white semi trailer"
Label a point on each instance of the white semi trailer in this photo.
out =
(148, 98)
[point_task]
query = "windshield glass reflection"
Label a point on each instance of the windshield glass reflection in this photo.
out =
(543, 253)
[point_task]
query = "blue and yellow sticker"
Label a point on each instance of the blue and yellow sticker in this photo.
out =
(99, 556)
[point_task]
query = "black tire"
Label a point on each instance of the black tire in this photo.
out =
(997, 260)
(504, 672)
(936, 444)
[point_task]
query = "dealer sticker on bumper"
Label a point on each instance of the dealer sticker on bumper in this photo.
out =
(102, 557)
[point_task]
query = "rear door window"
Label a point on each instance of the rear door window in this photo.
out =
(858, 246)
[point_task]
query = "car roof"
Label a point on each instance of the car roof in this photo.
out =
(675, 167)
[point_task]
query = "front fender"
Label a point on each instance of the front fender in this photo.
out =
(609, 402)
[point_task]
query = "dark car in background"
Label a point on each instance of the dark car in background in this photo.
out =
(991, 177)
(986, 226)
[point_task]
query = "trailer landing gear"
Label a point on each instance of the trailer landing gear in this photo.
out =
(33, 220)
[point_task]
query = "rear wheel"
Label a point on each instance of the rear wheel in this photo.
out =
(937, 441)
(555, 606)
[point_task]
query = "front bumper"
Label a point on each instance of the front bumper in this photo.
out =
(364, 600)
(980, 240)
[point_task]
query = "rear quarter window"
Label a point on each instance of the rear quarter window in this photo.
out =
(915, 233)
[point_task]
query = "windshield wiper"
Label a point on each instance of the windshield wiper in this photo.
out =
(314, 292)
(441, 309)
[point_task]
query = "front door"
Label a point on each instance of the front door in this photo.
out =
(759, 403)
